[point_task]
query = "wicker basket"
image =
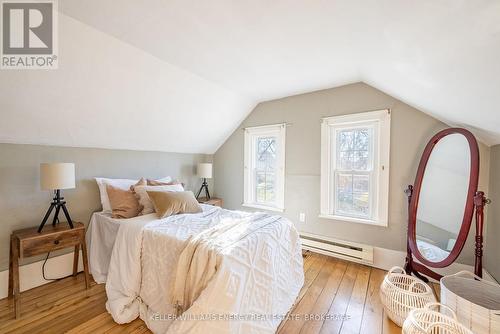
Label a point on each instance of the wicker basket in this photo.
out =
(428, 321)
(475, 301)
(401, 293)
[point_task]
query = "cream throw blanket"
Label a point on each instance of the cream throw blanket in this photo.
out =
(199, 261)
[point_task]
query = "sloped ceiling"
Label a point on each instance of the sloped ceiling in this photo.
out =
(441, 57)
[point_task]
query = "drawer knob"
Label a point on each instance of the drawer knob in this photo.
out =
(56, 242)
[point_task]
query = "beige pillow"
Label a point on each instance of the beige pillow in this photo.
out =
(124, 203)
(142, 195)
(160, 183)
(169, 203)
(141, 182)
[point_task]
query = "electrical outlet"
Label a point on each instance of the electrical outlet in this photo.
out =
(302, 217)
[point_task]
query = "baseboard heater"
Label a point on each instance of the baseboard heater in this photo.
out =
(346, 250)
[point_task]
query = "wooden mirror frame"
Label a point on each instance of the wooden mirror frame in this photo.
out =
(475, 201)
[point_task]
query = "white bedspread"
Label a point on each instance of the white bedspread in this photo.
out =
(101, 236)
(257, 279)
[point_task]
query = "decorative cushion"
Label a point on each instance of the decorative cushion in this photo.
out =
(143, 197)
(141, 182)
(123, 184)
(161, 183)
(167, 203)
(124, 203)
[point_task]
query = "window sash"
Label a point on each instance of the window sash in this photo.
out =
(252, 169)
(378, 169)
(256, 170)
(335, 200)
(336, 171)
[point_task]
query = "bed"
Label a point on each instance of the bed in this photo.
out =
(218, 271)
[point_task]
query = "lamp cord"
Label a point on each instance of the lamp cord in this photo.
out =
(43, 271)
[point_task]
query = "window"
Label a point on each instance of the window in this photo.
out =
(264, 171)
(355, 167)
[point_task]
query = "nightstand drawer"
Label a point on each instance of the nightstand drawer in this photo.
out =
(49, 243)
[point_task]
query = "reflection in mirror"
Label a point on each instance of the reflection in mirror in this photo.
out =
(442, 197)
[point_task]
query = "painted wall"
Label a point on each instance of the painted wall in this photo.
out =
(410, 132)
(23, 204)
(492, 235)
(110, 94)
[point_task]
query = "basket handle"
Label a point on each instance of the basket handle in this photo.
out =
(429, 306)
(412, 284)
(391, 271)
(466, 273)
(472, 275)
(440, 324)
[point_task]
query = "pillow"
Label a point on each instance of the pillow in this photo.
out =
(123, 184)
(166, 179)
(169, 203)
(160, 183)
(123, 203)
(145, 202)
(141, 182)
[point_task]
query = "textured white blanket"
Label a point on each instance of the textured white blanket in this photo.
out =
(255, 281)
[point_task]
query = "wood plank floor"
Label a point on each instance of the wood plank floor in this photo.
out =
(345, 293)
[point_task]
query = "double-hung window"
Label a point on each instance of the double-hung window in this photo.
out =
(355, 167)
(264, 167)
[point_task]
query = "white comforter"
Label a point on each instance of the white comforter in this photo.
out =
(257, 279)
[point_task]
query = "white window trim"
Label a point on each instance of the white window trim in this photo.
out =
(382, 119)
(248, 186)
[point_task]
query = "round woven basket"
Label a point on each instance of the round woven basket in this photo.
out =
(476, 301)
(400, 293)
(429, 321)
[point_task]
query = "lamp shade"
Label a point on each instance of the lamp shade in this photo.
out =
(205, 170)
(55, 176)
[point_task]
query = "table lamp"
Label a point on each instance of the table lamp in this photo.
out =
(205, 172)
(57, 176)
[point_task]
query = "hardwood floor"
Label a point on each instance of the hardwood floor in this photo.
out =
(346, 293)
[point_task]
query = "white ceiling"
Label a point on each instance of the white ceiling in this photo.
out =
(442, 57)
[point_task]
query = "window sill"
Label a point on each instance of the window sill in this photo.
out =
(354, 220)
(262, 207)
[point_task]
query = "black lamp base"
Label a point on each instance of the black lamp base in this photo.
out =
(57, 203)
(204, 185)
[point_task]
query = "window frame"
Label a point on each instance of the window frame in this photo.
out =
(380, 120)
(251, 134)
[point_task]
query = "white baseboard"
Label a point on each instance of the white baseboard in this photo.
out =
(30, 275)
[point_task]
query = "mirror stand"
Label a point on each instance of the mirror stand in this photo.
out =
(417, 269)
(479, 202)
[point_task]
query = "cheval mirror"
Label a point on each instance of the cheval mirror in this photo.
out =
(442, 202)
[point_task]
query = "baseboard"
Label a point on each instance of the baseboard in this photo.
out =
(30, 275)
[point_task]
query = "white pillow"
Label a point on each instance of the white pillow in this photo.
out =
(166, 179)
(117, 183)
(141, 192)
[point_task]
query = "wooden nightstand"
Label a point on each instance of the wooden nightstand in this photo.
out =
(28, 242)
(212, 201)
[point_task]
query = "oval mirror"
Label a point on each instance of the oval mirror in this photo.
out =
(443, 200)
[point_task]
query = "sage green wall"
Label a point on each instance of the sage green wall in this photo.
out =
(492, 235)
(23, 204)
(410, 132)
